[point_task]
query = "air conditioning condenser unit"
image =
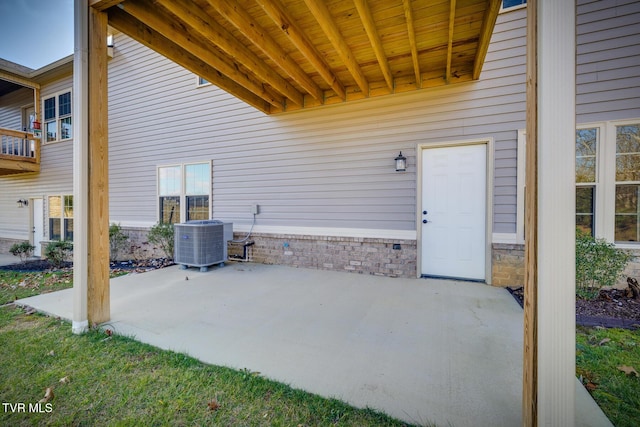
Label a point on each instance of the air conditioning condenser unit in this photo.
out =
(201, 243)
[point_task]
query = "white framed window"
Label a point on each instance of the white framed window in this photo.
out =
(508, 5)
(607, 181)
(60, 213)
(184, 192)
(588, 166)
(627, 181)
(201, 81)
(57, 114)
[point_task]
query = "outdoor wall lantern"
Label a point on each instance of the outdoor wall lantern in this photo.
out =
(401, 163)
(22, 203)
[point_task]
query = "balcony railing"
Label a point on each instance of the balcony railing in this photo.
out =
(19, 152)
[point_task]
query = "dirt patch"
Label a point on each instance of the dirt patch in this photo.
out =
(611, 309)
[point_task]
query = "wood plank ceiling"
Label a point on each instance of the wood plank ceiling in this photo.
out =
(284, 55)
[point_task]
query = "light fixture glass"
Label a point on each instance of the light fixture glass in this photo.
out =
(401, 163)
(22, 203)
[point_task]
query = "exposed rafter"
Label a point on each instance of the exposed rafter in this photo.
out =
(452, 21)
(374, 38)
(408, 13)
(489, 21)
(172, 30)
(254, 32)
(328, 25)
(215, 33)
(104, 4)
(276, 12)
(287, 55)
(147, 36)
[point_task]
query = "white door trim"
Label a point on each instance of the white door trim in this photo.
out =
(489, 205)
(34, 228)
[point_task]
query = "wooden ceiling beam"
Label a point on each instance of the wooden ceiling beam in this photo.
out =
(325, 20)
(276, 12)
(488, 24)
(408, 14)
(374, 38)
(18, 80)
(147, 36)
(172, 29)
(262, 40)
(104, 4)
(215, 33)
(452, 21)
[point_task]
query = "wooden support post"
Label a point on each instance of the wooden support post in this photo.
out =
(36, 109)
(80, 321)
(36, 103)
(549, 326)
(98, 304)
(530, 359)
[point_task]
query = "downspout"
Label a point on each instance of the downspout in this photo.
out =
(80, 322)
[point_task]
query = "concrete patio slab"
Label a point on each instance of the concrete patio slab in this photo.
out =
(424, 351)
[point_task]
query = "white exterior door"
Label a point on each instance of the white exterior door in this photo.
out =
(453, 216)
(38, 225)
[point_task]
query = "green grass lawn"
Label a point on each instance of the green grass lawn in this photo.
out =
(16, 285)
(113, 380)
(116, 380)
(599, 354)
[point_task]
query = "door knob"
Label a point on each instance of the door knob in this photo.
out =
(424, 212)
(424, 221)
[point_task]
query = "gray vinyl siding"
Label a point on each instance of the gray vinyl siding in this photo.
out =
(328, 167)
(55, 178)
(332, 166)
(608, 60)
(11, 106)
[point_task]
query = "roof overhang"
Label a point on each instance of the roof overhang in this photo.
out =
(15, 76)
(284, 55)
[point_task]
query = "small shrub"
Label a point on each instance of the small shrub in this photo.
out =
(598, 264)
(22, 250)
(161, 234)
(117, 241)
(58, 252)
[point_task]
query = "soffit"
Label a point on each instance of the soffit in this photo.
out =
(285, 55)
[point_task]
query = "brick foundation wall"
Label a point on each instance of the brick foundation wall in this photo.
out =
(138, 246)
(508, 264)
(5, 244)
(633, 268)
(353, 254)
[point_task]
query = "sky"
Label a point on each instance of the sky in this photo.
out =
(35, 33)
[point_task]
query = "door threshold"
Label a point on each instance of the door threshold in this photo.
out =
(452, 278)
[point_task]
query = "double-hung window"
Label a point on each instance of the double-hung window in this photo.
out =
(60, 217)
(607, 181)
(184, 192)
(586, 177)
(627, 183)
(57, 117)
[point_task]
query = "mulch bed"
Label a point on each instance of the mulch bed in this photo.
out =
(611, 309)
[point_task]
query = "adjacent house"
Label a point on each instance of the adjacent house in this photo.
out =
(324, 181)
